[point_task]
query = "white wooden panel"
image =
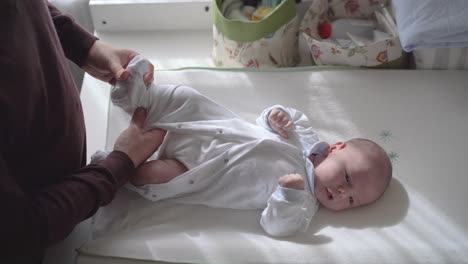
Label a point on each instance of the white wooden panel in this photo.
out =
(151, 15)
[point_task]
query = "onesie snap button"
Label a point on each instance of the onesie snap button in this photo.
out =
(179, 126)
(226, 160)
(191, 182)
(220, 131)
(154, 195)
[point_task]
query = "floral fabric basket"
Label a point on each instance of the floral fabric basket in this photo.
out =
(271, 42)
(387, 51)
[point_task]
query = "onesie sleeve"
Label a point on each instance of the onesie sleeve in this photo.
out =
(288, 211)
(262, 120)
(301, 131)
(167, 105)
(133, 93)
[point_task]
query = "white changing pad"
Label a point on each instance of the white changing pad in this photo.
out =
(419, 117)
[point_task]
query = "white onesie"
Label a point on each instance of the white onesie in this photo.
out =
(231, 162)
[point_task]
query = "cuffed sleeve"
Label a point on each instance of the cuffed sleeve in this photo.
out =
(132, 93)
(288, 211)
(262, 120)
(301, 133)
(35, 221)
(116, 168)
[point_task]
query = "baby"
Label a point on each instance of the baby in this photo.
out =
(211, 156)
(346, 174)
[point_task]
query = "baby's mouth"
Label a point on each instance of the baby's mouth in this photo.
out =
(329, 194)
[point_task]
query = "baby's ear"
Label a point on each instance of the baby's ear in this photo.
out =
(336, 146)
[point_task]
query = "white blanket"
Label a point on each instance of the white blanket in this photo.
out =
(432, 23)
(419, 117)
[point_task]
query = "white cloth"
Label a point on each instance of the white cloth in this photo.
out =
(432, 23)
(232, 163)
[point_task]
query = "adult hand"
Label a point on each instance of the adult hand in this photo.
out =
(136, 143)
(108, 64)
(279, 122)
(292, 181)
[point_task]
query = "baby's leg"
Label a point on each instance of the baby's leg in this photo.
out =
(158, 171)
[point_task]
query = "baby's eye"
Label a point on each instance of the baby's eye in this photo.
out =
(347, 178)
(351, 200)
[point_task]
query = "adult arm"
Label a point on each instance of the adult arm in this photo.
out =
(75, 40)
(44, 197)
(35, 221)
(99, 59)
(31, 222)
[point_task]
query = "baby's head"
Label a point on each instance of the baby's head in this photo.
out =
(353, 173)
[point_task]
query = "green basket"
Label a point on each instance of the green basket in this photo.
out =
(253, 30)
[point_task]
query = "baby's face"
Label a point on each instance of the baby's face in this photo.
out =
(344, 179)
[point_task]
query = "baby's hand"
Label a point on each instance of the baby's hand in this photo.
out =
(292, 181)
(279, 122)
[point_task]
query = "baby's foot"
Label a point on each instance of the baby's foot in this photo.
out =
(99, 156)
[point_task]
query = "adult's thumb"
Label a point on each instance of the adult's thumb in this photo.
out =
(120, 74)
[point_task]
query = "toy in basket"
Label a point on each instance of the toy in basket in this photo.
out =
(268, 38)
(352, 32)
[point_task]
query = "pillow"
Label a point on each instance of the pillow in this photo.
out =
(432, 23)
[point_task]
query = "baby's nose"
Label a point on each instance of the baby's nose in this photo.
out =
(341, 192)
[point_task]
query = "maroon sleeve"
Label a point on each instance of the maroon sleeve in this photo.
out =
(35, 222)
(75, 40)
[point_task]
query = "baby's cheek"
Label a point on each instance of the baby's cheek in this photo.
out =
(321, 176)
(329, 175)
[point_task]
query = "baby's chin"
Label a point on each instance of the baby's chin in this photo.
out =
(331, 208)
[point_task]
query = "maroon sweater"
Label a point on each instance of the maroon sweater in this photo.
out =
(45, 187)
